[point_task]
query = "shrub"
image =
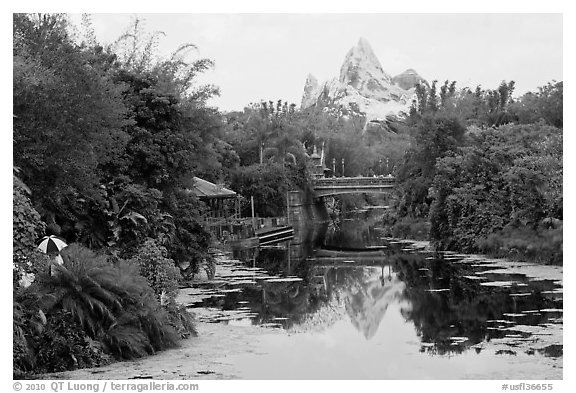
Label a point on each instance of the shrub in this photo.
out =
(110, 303)
(28, 263)
(49, 344)
(27, 321)
(410, 228)
(268, 183)
(501, 193)
(181, 320)
(142, 325)
(143, 328)
(64, 345)
(163, 277)
(27, 228)
(160, 271)
(191, 241)
(22, 354)
(543, 245)
(83, 286)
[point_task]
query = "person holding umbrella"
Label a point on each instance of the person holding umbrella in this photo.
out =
(51, 245)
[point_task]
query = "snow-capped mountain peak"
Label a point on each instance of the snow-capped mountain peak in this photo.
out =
(364, 87)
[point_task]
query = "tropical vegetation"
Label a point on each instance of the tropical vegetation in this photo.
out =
(108, 139)
(484, 171)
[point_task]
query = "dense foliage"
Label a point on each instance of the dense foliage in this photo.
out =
(161, 272)
(27, 228)
(485, 171)
(85, 311)
(274, 142)
(502, 193)
(107, 140)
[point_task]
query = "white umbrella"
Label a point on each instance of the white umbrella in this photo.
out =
(51, 244)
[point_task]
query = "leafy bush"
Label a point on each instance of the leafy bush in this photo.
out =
(142, 328)
(498, 194)
(27, 228)
(111, 303)
(191, 241)
(268, 183)
(23, 359)
(543, 245)
(163, 277)
(85, 286)
(64, 345)
(181, 320)
(410, 228)
(160, 271)
(28, 264)
(52, 343)
(27, 321)
(436, 136)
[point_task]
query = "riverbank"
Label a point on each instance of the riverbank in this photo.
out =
(201, 357)
(542, 245)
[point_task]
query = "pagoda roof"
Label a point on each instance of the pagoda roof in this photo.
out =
(204, 189)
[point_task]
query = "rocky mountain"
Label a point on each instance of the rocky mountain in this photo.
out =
(363, 87)
(408, 79)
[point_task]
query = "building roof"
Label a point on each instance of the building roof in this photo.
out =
(205, 190)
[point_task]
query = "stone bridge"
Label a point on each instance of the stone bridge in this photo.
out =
(353, 185)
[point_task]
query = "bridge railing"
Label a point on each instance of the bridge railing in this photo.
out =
(354, 181)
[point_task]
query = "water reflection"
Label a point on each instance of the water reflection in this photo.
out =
(285, 298)
(366, 301)
(452, 304)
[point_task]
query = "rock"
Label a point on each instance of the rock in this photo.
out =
(364, 89)
(311, 91)
(362, 70)
(408, 79)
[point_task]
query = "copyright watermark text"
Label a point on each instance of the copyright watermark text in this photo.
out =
(528, 386)
(103, 386)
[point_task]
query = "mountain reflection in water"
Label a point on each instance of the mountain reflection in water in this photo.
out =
(366, 302)
(441, 304)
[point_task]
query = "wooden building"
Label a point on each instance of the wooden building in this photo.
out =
(223, 203)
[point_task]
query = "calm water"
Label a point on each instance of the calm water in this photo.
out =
(349, 303)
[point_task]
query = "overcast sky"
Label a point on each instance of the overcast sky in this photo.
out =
(268, 56)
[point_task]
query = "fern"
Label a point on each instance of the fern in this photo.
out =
(110, 303)
(79, 286)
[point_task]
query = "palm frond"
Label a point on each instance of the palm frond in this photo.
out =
(111, 302)
(180, 52)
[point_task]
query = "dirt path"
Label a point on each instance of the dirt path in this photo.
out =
(202, 357)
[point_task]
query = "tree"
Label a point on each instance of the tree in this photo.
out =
(432, 98)
(173, 138)
(505, 183)
(435, 136)
(269, 184)
(108, 137)
(69, 115)
(422, 98)
(546, 105)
